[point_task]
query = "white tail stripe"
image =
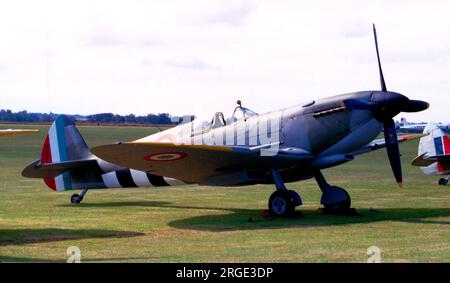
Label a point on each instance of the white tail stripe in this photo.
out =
(174, 182)
(59, 181)
(54, 148)
(140, 178)
(110, 180)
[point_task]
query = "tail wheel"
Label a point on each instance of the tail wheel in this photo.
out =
(76, 198)
(443, 182)
(281, 203)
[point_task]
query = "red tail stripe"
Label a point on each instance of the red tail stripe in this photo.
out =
(46, 157)
(446, 144)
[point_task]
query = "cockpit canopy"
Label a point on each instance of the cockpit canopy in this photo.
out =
(219, 120)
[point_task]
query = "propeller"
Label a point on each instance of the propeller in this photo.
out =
(390, 133)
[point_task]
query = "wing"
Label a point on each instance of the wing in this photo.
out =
(380, 143)
(194, 163)
(13, 132)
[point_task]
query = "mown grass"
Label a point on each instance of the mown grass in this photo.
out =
(206, 224)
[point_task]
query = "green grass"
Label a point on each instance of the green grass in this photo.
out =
(206, 224)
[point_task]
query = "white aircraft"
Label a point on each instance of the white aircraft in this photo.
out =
(434, 153)
(407, 127)
(13, 132)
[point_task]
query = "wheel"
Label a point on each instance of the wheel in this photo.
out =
(76, 198)
(338, 208)
(281, 203)
(443, 182)
(336, 201)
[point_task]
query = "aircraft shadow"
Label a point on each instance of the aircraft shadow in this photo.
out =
(243, 219)
(308, 218)
(117, 204)
(10, 237)
(13, 259)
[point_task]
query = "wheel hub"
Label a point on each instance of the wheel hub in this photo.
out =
(279, 205)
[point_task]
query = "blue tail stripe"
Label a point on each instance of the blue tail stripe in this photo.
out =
(439, 146)
(60, 135)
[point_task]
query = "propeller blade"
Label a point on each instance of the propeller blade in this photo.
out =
(382, 82)
(416, 106)
(390, 137)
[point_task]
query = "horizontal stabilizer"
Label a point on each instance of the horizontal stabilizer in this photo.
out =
(424, 160)
(39, 170)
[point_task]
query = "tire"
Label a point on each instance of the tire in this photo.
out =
(336, 200)
(75, 198)
(443, 182)
(281, 204)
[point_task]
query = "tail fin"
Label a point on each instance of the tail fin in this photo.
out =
(436, 143)
(63, 143)
(433, 147)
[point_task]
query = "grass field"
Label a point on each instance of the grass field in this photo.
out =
(206, 224)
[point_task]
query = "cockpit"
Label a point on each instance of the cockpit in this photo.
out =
(241, 112)
(219, 120)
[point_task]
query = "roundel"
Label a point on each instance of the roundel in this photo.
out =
(165, 156)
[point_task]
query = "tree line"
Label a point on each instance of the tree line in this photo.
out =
(107, 118)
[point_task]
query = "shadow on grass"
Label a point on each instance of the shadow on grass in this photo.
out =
(13, 259)
(32, 236)
(231, 219)
(117, 204)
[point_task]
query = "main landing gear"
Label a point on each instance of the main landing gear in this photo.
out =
(334, 199)
(77, 198)
(444, 181)
(282, 202)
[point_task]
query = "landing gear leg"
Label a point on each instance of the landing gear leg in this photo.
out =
(444, 181)
(334, 199)
(77, 198)
(283, 201)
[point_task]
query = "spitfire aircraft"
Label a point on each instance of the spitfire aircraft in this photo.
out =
(434, 153)
(279, 147)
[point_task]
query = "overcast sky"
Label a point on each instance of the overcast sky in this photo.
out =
(191, 57)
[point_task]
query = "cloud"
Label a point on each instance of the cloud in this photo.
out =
(107, 37)
(193, 64)
(230, 13)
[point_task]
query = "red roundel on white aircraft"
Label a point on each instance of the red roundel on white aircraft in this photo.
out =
(165, 156)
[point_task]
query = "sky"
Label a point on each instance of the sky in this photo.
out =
(199, 57)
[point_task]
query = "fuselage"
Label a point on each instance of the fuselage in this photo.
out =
(326, 128)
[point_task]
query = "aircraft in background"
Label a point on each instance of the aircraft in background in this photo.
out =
(434, 153)
(407, 127)
(14, 132)
(309, 138)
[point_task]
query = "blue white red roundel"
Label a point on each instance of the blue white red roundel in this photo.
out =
(165, 156)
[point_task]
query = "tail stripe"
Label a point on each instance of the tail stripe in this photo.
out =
(140, 178)
(446, 142)
(157, 181)
(54, 147)
(110, 180)
(61, 140)
(125, 178)
(438, 146)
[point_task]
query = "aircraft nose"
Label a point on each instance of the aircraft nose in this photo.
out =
(389, 104)
(389, 98)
